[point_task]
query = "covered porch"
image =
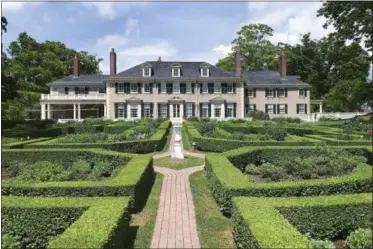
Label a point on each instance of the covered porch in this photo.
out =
(72, 111)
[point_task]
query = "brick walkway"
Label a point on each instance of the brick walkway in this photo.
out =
(176, 222)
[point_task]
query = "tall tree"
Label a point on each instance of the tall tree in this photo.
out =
(4, 23)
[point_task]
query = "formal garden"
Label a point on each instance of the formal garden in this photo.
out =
(92, 184)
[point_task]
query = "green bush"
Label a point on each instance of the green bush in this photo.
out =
(258, 115)
(193, 119)
(10, 242)
(80, 170)
(43, 171)
(286, 120)
(360, 239)
(207, 128)
(322, 244)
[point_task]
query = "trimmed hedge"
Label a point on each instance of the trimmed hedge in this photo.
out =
(21, 144)
(228, 181)
(103, 225)
(39, 124)
(51, 132)
(134, 179)
(155, 143)
(85, 129)
(255, 218)
(336, 141)
(119, 127)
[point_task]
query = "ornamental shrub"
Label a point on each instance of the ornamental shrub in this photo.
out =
(322, 244)
(43, 171)
(258, 115)
(360, 239)
(279, 134)
(207, 129)
(80, 170)
(10, 242)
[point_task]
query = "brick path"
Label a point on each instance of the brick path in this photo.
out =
(176, 225)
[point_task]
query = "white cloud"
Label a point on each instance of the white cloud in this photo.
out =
(109, 10)
(71, 20)
(163, 49)
(46, 18)
(15, 6)
(112, 40)
(223, 49)
(132, 26)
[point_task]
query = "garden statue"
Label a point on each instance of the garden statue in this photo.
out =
(177, 151)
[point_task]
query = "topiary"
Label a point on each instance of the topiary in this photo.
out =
(359, 239)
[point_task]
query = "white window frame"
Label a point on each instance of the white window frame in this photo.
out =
(284, 92)
(188, 87)
(230, 110)
(250, 92)
(205, 88)
(134, 112)
(270, 91)
(205, 111)
(217, 109)
(163, 110)
(270, 109)
(281, 109)
(120, 87)
(177, 71)
(146, 72)
(132, 90)
(303, 94)
(188, 110)
(147, 111)
(304, 109)
(176, 88)
(229, 87)
(147, 88)
(217, 87)
(205, 71)
(121, 110)
(163, 88)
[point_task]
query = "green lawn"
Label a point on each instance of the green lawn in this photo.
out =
(214, 230)
(178, 164)
(142, 226)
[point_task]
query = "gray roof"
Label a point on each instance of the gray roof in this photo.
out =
(271, 78)
(82, 79)
(163, 69)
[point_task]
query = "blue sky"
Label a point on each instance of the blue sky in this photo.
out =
(140, 31)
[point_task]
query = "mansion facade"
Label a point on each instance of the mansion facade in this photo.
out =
(176, 90)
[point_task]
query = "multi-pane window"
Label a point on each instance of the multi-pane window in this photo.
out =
(301, 108)
(302, 92)
(147, 111)
(204, 72)
(163, 88)
(81, 90)
(205, 110)
(210, 88)
(270, 109)
(121, 110)
(281, 109)
(230, 88)
(176, 88)
(230, 109)
(189, 88)
(146, 71)
(169, 87)
(175, 72)
(281, 92)
(183, 88)
(204, 88)
(188, 110)
(250, 107)
(147, 88)
(102, 90)
(134, 88)
(217, 88)
(250, 92)
(134, 111)
(269, 93)
(217, 112)
(121, 88)
(164, 110)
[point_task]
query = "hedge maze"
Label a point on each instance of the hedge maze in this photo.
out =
(324, 193)
(77, 195)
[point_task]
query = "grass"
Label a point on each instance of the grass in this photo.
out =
(142, 226)
(178, 164)
(214, 230)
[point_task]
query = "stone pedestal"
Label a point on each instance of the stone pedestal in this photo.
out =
(177, 150)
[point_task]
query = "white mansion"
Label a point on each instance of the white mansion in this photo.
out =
(176, 90)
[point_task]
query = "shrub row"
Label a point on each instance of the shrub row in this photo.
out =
(335, 141)
(39, 124)
(51, 132)
(227, 180)
(322, 217)
(109, 216)
(118, 127)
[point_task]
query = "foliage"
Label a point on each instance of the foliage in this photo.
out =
(286, 120)
(207, 128)
(193, 119)
(328, 118)
(322, 244)
(360, 239)
(10, 241)
(43, 171)
(258, 115)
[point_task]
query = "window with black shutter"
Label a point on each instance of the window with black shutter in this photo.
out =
(182, 88)
(200, 88)
(169, 88)
(224, 88)
(210, 88)
(66, 90)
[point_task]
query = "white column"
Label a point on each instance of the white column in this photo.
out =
(171, 110)
(105, 110)
(128, 111)
(222, 112)
(320, 107)
(212, 111)
(74, 111)
(42, 111)
(155, 110)
(182, 110)
(79, 114)
(49, 111)
(139, 110)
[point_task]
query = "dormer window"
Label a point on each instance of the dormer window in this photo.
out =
(176, 70)
(205, 71)
(147, 70)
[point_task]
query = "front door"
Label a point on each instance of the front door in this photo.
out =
(176, 110)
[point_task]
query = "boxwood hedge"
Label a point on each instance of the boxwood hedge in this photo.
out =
(228, 181)
(254, 219)
(104, 224)
(135, 179)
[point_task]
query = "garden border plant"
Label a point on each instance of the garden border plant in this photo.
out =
(227, 180)
(135, 179)
(255, 218)
(103, 225)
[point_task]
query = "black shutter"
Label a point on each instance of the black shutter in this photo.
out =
(193, 88)
(125, 110)
(254, 107)
(305, 108)
(234, 109)
(286, 92)
(305, 92)
(297, 108)
(142, 110)
(139, 87)
(209, 111)
(200, 88)
(234, 87)
(254, 92)
(116, 110)
(246, 92)
(277, 109)
(266, 92)
(151, 110)
(168, 110)
(86, 90)
(159, 88)
(66, 90)
(226, 109)
(286, 108)
(159, 110)
(116, 87)
(247, 108)
(200, 110)
(223, 87)
(274, 109)
(151, 87)
(193, 110)
(76, 90)
(266, 108)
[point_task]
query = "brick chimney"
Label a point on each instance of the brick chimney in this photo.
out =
(113, 62)
(238, 61)
(282, 64)
(76, 66)
(159, 58)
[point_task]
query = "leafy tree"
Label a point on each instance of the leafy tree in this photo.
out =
(4, 23)
(226, 63)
